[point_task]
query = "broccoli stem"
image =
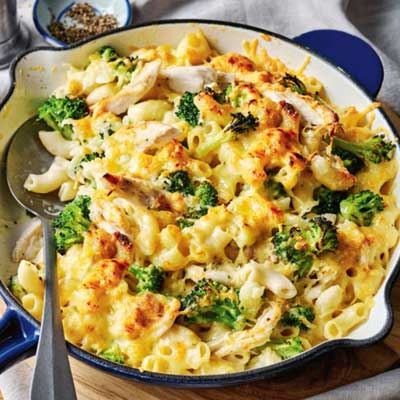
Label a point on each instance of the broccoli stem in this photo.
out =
(239, 124)
(374, 150)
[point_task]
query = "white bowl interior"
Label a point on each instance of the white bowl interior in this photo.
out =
(46, 10)
(40, 72)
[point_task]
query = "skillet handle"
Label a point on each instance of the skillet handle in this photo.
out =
(352, 54)
(18, 338)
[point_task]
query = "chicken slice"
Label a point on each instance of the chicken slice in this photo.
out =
(29, 243)
(331, 172)
(143, 190)
(243, 341)
(310, 110)
(134, 91)
(290, 118)
(152, 134)
(126, 215)
(100, 93)
(194, 78)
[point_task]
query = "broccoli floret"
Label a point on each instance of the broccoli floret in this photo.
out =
(211, 301)
(72, 223)
(113, 354)
(239, 124)
(298, 316)
(207, 195)
(187, 110)
(294, 84)
(287, 348)
(16, 289)
(222, 96)
(242, 123)
(328, 200)
(148, 278)
(108, 53)
(361, 207)
(179, 181)
(299, 245)
(352, 163)
(374, 150)
(55, 110)
(285, 244)
(196, 212)
(320, 235)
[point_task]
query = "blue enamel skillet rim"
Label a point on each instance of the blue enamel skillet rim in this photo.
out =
(27, 327)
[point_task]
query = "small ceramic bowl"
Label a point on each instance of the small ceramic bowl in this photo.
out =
(45, 10)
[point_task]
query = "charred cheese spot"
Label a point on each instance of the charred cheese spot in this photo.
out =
(101, 244)
(147, 311)
(233, 62)
(105, 274)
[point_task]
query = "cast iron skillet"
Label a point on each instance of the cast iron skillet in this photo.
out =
(19, 330)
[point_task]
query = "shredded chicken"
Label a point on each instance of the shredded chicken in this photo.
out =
(143, 190)
(243, 341)
(134, 91)
(126, 215)
(29, 244)
(331, 172)
(151, 134)
(194, 78)
(290, 118)
(310, 110)
(100, 93)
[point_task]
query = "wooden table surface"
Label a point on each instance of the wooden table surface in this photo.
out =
(326, 372)
(329, 371)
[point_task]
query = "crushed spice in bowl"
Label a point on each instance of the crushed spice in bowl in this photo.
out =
(80, 22)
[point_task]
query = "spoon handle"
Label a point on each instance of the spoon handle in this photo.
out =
(52, 378)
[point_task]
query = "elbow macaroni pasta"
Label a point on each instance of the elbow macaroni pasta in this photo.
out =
(55, 144)
(50, 180)
(121, 156)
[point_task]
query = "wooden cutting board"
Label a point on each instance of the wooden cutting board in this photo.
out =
(327, 372)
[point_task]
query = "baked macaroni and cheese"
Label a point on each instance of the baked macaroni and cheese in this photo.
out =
(221, 215)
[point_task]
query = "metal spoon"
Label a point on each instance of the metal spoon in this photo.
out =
(52, 378)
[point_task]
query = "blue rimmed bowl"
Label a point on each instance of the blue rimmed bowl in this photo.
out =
(36, 73)
(45, 10)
